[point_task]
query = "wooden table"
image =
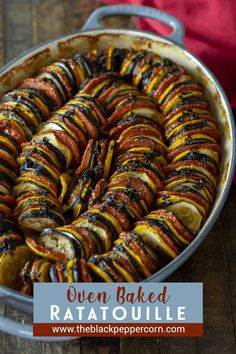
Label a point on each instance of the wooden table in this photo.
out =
(24, 23)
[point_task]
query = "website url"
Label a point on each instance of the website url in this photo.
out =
(118, 329)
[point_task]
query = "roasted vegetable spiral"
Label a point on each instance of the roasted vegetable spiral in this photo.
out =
(117, 173)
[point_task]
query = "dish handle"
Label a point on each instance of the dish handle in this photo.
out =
(24, 330)
(177, 36)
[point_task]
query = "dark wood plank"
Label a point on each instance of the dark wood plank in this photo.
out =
(178, 345)
(140, 345)
(175, 344)
(2, 32)
(20, 345)
(77, 13)
(72, 347)
(2, 306)
(48, 19)
(100, 345)
(214, 342)
(2, 335)
(228, 226)
(209, 266)
(18, 27)
(17, 38)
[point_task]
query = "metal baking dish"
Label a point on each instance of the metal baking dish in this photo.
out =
(93, 36)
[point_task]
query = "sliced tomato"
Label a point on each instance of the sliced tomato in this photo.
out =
(175, 74)
(61, 74)
(92, 126)
(133, 105)
(122, 259)
(147, 141)
(84, 271)
(118, 94)
(82, 138)
(176, 152)
(71, 144)
(195, 198)
(136, 245)
(97, 193)
(213, 133)
(188, 118)
(190, 105)
(131, 207)
(87, 235)
(95, 107)
(173, 220)
(8, 199)
(40, 180)
(13, 129)
(9, 159)
(191, 164)
(117, 130)
(45, 87)
(43, 251)
(139, 130)
(135, 184)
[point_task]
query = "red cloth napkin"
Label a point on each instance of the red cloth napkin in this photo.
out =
(210, 34)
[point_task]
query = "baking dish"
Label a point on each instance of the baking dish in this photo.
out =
(94, 36)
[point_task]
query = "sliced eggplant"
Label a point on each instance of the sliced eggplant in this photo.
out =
(103, 270)
(39, 217)
(62, 241)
